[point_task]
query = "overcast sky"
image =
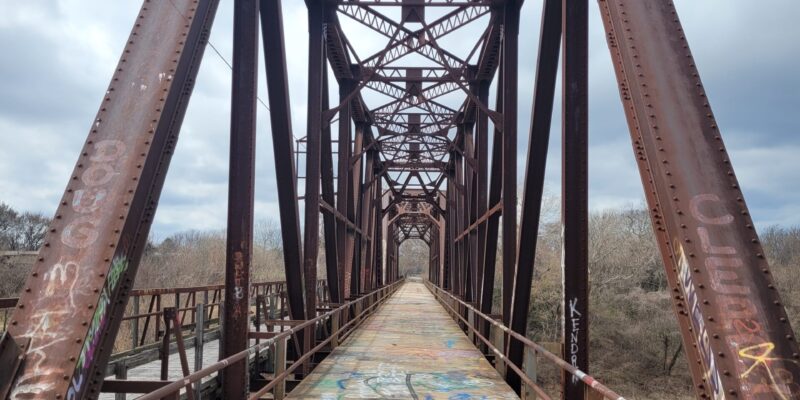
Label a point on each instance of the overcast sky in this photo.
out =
(56, 58)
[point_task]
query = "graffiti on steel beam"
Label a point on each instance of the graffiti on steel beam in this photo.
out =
(98, 322)
(47, 328)
(743, 333)
(712, 374)
(575, 328)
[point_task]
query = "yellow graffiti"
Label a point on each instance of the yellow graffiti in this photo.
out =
(764, 359)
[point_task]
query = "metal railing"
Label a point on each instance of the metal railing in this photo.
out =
(146, 327)
(343, 320)
(457, 308)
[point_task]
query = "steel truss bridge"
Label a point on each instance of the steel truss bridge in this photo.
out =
(412, 124)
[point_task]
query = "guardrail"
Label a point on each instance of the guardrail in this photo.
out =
(146, 327)
(342, 320)
(173, 312)
(457, 308)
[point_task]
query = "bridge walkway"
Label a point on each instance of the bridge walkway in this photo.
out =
(410, 349)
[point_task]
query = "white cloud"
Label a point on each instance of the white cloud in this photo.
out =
(57, 58)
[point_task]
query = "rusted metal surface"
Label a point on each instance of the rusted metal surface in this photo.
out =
(415, 165)
(575, 192)
(541, 116)
(316, 58)
(734, 325)
(70, 309)
(282, 144)
(11, 356)
(241, 192)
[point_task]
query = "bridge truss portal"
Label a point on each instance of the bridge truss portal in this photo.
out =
(421, 153)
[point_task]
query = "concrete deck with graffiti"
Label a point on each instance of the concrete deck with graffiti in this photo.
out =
(410, 349)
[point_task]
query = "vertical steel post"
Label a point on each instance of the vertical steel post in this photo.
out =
(343, 234)
(283, 148)
(329, 219)
(492, 223)
(353, 207)
(379, 228)
(316, 59)
(574, 189)
(458, 202)
(541, 116)
(239, 248)
(509, 66)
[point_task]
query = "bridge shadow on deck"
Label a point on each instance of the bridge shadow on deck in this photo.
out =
(410, 349)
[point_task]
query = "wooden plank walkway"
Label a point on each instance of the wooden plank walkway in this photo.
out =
(152, 370)
(410, 349)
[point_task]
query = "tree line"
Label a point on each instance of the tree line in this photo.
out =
(21, 231)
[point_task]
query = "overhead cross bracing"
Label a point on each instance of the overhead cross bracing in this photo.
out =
(421, 153)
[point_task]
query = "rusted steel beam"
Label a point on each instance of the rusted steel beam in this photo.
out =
(283, 149)
(574, 192)
(458, 202)
(497, 208)
(340, 219)
(377, 241)
(75, 296)
(493, 221)
(344, 238)
(328, 196)
(539, 138)
(316, 59)
(470, 213)
(239, 248)
(131, 386)
(735, 328)
(354, 177)
(509, 65)
(366, 224)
